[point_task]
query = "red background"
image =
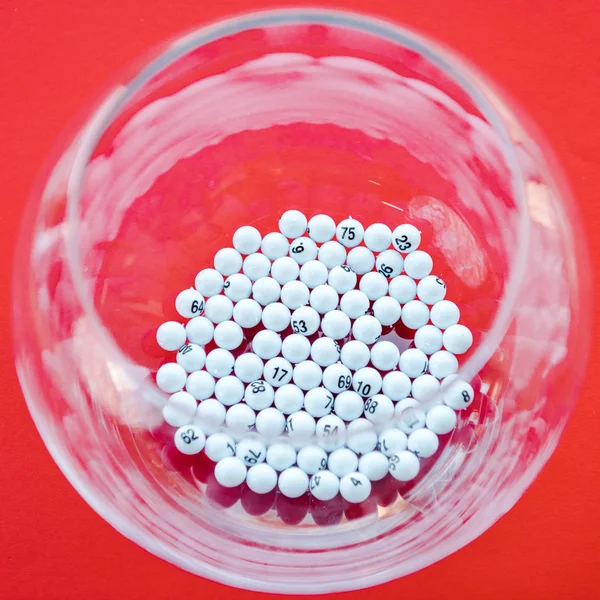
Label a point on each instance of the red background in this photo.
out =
(57, 54)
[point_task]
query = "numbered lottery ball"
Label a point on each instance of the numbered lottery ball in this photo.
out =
(246, 240)
(318, 402)
(200, 384)
(330, 433)
(293, 224)
(325, 351)
(300, 426)
(324, 298)
(229, 390)
(251, 451)
(366, 329)
(342, 461)
(278, 372)
(274, 245)
(210, 416)
(444, 314)
(406, 238)
(423, 443)
(413, 362)
(361, 260)
(385, 356)
(428, 339)
(270, 423)
(425, 387)
(367, 382)
(324, 486)
(219, 362)
(199, 330)
(191, 357)
(418, 265)
(355, 488)
(440, 419)
(171, 335)
(396, 385)
(289, 399)
(284, 270)
(295, 348)
(189, 439)
(403, 289)
(266, 344)
(355, 304)
(305, 320)
(387, 310)
(342, 279)
(256, 266)
(281, 455)
(209, 282)
(228, 261)
(415, 314)
(361, 436)
(355, 355)
(303, 249)
(410, 419)
(266, 290)
(189, 303)
(219, 446)
(312, 459)
(348, 405)
(336, 324)
(247, 313)
(248, 367)
(295, 294)
(378, 237)
(431, 289)
(392, 441)
(259, 395)
(218, 309)
(237, 287)
(313, 273)
(379, 409)
(374, 285)
(293, 482)
(261, 478)
(228, 335)
(240, 418)
(332, 254)
(404, 466)
(442, 364)
(276, 316)
(180, 409)
(337, 378)
(457, 339)
(373, 465)
(350, 232)
(458, 394)
(389, 263)
(230, 472)
(171, 378)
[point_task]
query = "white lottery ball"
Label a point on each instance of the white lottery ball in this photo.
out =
(270, 423)
(295, 294)
(210, 416)
(251, 450)
(396, 385)
(350, 232)
(403, 289)
(230, 472)
(425, 387)
(457, 339)
(199, 330)
(415, 314)
(373, 465)
(289, 399)
(200, 384)
(247, 313)
(348, 405)
(303, 249)
(403, 404)
(266, 344)
(431, 290)
(355, 304)
(361, 436)
(444, 314)
(385, 356)
(219, 446)
(313, 273)
(171, 335)
(281, 455)
(387, 310)
(442, 364)
(428, 339)
(219, 362)
(278, 372)
(378, 237)
(423, 442)
(237, 287)
(355, 488)
(321, 228)
(274, 245)
(293, 224)
(266, 290)
(228, 261)
(336, 324)
(342, 461)
(179, 409)
(295, 348)
(458, 394)
(324, 298)
(413, 362)
(355, 355)
(209, 282)
(228, 335)
(318, 402)
(366, 329)
(389, 263)
(367, 382)
(276, 316)
(240, 418)
(337, 378)
(256, 266)
(330, 433)
(218, 309)
(284, 270)
(392, 441)
(261, 478)
(293, 482)
(312, 459)
(325, 351)
(189, 303)
(305, 320)
(246, 240)
(361, 260)
(324, 486)
(332, 254)
(259, 395)
(404, 466)
(248, 367)
(229, 390)
(406, 238)
(418, 265)
(342, 279)
(374, 285)
(189, 439)
(410, 419)
(191, 357)
(379, 409)
(171, 378)
(441, 419)
(300, 426)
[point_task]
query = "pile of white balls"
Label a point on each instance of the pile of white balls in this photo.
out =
(329, 407)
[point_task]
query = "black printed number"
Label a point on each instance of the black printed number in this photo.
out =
(188, 436)
(299, 326)
(253, 458)
(355, 481)
(365, 390)
(298, 248)
(330, 430)
(466, 396)
(329, 401)
(371, 406)
(315, 481)
(402, 243)
(394, 460)
(385, 270)
(258, 386)
(276, 371)
(440, 281)
(344, 382)
(348, 233)
(185, 349)
(227, 284)
(197, 306)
